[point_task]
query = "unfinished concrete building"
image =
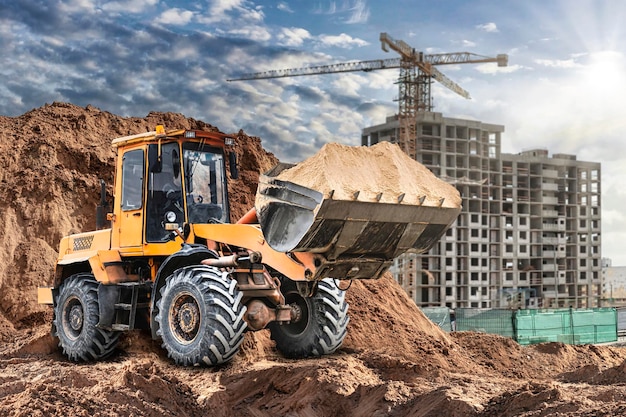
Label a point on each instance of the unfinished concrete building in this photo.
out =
(529, 232)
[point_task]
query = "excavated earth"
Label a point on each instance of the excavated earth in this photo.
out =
(394, 361)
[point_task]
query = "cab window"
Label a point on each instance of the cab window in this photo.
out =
(205, 180)
(165, 200)
(132, 180)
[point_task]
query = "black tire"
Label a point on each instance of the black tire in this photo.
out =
(76, 315)
(322, 326)
(200, 316)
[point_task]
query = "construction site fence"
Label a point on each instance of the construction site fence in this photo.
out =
(567, 325)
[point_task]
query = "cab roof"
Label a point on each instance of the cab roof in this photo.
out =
(160, 133)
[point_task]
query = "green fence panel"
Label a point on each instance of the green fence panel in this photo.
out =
(486, 321)
(440, 316)
(598, 325)
(582, 326)
(539, 326)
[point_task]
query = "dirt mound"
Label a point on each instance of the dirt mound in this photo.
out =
(382, 316)
(394, 362)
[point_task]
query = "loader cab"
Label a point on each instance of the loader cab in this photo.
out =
(167, 181)
(186, 184)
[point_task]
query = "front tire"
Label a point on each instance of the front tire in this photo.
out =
(76, 317)
(200, 316)
(323, 322)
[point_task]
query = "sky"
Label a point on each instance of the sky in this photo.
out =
(563, 89)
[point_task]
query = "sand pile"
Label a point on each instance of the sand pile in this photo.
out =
(381, 172)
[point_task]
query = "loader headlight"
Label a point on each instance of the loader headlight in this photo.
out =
(170, 217)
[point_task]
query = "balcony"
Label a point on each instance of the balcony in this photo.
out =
(549, 186)
(550, 226)
(549, 240)
(554, 281)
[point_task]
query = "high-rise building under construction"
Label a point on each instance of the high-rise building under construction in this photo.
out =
(529, 234)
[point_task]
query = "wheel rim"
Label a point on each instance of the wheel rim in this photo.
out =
(298, 327)
(184, 318)
(73, 318)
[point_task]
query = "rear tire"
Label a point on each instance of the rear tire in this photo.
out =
(323, 324)
(200, 316)
(76, 316)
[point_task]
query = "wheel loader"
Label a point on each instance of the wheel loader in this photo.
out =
(168, 260)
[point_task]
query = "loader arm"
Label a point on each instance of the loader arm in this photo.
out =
(298, 267)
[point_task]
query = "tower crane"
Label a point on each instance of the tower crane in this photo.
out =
(417, 72)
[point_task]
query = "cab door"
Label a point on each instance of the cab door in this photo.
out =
(131, 215)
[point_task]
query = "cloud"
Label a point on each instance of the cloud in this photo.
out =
(241, 12)
(292, 36)
(308, 94)
(253, 32)
(488, 27)
(342, 41)
(175, 16)
(490, 68)
(468, 44)
(349, 11)
(129, 6)
(220, 7)
(284, 7)
(78, 6)
(557, 63)
(359, 12)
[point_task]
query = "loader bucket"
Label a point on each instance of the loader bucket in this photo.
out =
(354, 239)
(286, 211)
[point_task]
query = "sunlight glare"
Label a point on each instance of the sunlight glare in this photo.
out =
(605, 74)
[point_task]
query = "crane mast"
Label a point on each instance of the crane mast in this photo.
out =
(417, 72)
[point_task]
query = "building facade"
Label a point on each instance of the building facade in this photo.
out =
(613, 284)
(529, 233)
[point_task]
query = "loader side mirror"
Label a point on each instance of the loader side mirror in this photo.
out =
(154, 159)
(232, 162)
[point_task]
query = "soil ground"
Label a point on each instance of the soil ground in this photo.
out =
(394, 361)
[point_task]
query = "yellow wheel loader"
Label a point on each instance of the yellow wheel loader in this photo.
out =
(166, 258)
